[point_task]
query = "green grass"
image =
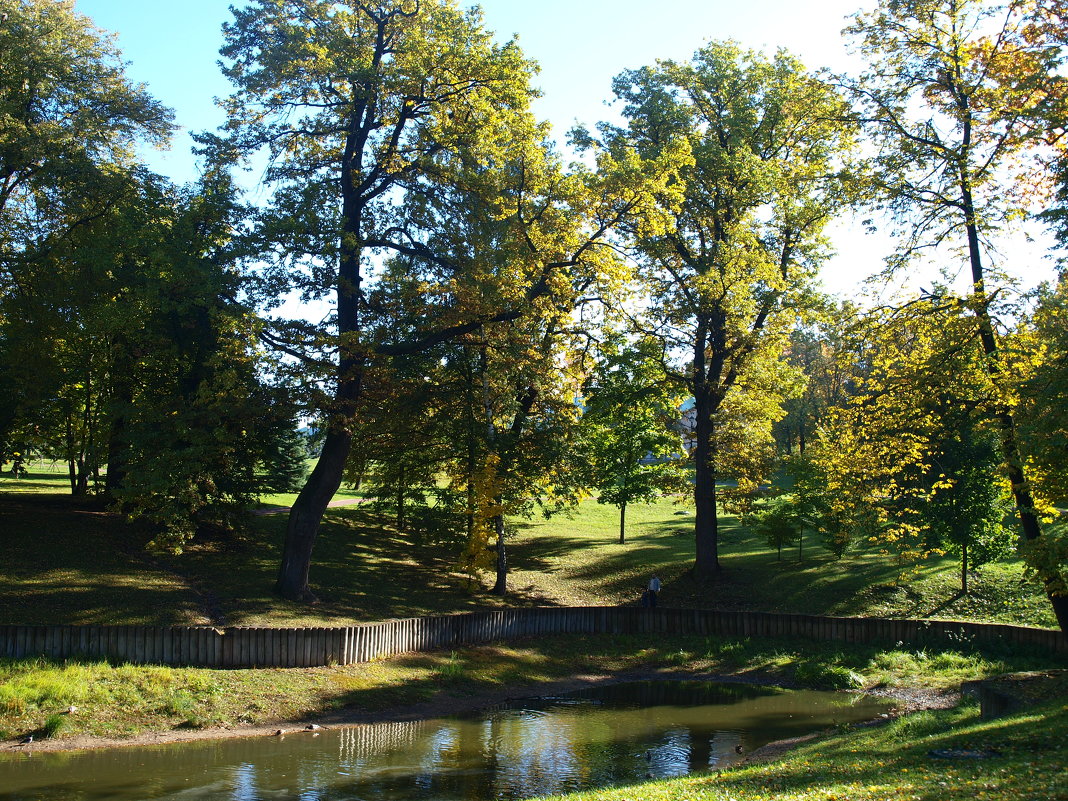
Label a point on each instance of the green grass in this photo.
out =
(894, 762)
(121, 700)
(41, 477)
(579, 561)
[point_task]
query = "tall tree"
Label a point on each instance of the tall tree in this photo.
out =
(365, 111)
(950, 96)
(730, 274)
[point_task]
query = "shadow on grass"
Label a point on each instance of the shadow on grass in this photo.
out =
(67, 561)
(363, 569)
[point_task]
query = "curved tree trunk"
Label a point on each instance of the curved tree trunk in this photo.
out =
(307, 514)
(1012, 458)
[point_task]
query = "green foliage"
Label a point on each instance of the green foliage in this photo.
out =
(285, 459)
(185, 366)
(54, 725)
(631, 421)
(967, 509)
(779, 523)
(909, 461)
(1044, 401)
(68, 114)
(445, 173)
(453, 670)
(956, 97)
(70, 122)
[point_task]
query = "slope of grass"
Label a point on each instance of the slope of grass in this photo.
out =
(1026, 754)
(578, 560)
(71, 562)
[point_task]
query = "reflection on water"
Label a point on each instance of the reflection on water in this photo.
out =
(607, 735)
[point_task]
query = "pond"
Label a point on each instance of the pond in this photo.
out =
(613, 734)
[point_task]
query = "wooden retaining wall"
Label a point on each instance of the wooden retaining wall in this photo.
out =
(237, 646)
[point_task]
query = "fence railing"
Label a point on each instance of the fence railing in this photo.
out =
(239, 646)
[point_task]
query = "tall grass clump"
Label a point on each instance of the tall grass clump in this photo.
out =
(452, 670)
(53, 725)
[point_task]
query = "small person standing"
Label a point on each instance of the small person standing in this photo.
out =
(654, 590)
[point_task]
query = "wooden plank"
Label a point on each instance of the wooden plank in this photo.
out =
(289, 647)
(319, 647)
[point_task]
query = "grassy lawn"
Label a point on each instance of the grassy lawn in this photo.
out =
(71, 562)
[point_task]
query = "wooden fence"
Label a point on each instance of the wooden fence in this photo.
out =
(237, 646)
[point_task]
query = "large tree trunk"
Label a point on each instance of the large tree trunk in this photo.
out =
(708, 362)
(121, 402)
(623, 523)
(964, 568)
(307, 514)
(401, 478)
(706, 522)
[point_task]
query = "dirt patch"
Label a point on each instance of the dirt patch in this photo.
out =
(444, 706)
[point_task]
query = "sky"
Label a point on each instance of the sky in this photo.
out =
(580, 44)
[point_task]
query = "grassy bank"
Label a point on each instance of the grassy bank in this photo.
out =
(71, 562)
(123, 700)
(1026, 757)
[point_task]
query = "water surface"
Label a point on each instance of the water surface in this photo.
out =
(602, 736)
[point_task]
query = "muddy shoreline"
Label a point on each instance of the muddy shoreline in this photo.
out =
(909, 700)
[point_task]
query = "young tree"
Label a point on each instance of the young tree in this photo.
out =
(950, 97)
(763, 144)
(966, 509)
(632, 428)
